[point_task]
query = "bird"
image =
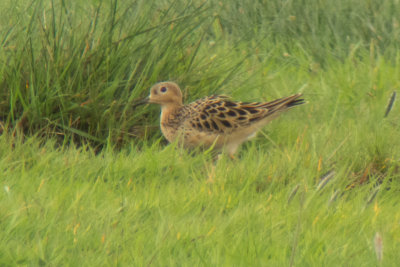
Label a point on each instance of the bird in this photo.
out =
(214, 121)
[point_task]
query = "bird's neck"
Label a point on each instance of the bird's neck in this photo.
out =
(169, 112)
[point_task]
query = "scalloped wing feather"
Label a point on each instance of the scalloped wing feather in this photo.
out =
(218, 114)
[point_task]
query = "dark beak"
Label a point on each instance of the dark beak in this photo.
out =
(141, 102)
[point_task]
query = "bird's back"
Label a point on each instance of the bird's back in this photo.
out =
(216, 120)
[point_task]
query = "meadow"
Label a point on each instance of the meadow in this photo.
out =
(88, 180)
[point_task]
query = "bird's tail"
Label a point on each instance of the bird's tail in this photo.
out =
(282, 104)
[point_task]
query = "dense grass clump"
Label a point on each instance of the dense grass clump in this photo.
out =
(75, 68)
(86, 179)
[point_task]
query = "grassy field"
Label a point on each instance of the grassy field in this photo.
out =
(87, 180)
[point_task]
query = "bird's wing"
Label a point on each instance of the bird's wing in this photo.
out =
(218, 114)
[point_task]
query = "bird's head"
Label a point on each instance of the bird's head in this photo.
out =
(164, 94)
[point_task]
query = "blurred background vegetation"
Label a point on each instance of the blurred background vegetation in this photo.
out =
(73, 69)
(318, 187)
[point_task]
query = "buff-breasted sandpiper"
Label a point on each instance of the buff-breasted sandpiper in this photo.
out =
(213, 121)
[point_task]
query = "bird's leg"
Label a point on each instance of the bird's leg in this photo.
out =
(231, 149)
(211, 175)
(220, 155)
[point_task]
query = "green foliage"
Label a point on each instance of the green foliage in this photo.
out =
(318, 187)
(81, 65)
(73, 69)
(163, 206)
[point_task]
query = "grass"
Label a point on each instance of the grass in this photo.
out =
(162, 206)
(87, 180)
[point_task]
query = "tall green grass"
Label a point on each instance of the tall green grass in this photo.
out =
(318, 186)
(75, 68)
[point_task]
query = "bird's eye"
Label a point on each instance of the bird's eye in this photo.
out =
(163, 89)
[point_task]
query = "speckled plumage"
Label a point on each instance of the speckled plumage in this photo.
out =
(214, 120)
